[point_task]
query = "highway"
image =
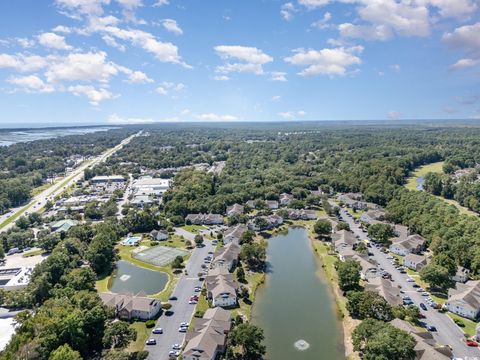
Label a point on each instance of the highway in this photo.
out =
(182, 310)
(448, 333)
(40, 200)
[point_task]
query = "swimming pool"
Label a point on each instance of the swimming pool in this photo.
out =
(132, 241)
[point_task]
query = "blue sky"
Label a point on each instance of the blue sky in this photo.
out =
(134, 61)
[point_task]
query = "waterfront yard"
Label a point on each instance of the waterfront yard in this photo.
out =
(412, 183)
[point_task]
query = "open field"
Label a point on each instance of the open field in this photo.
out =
(411, 183)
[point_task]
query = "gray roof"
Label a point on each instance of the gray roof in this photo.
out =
(235, 231)
(384, 288)
(468, 293)
(128, 301)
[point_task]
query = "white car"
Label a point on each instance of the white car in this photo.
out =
(182, 329)
(410, 280)
(184, 324)
(176, 347)
(157, 331)
(193, 302)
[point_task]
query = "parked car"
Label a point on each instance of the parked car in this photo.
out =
(157, 331)
(176, 347)
(182, 329)
(431, 328)
(471, 343)
(173, 354)
(151, 342)
(172, 298)
(193, 302)
(423, 306)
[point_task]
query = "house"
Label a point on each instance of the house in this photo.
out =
(353, 200)
(204, 219)
(233, 234)
(128, 306)
(235, 209)
(221, 288)
(63, 225)
(159, 235)
(302, 214)
(415, 262)
(272, 204)
(401, 233)
(384, 288)
(270, 222)
(251, 204)
(226, 256)
(346, 253)
(368, 269)
(285, 199)
(207, 340)
(426, 347)
(343, 238)
(141, 201)
(461, 275)
(373, 216)
(413, 244)
(464, 300)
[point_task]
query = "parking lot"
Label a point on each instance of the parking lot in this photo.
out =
(159, 255)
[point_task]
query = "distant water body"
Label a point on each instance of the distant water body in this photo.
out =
(9, 137)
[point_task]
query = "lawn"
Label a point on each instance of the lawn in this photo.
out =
(195, 229)
(254, 280)
(33, 253)
(422, 171)
(469, 328)
(142, 335)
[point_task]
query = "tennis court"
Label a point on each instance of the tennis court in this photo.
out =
(159, 255)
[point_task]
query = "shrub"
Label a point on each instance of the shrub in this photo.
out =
(166, 306)
(199, 313)
(150, 323)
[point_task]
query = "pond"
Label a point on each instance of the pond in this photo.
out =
(295, 307)
(132, 278)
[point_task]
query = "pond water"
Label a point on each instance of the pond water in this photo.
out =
(420, 181)
(295, 307)
(129, 277)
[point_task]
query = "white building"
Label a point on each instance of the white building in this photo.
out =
(414, 261)
(150, 186)
(464, 300)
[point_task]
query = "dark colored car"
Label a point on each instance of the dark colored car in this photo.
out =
(431, 328)
(172, 298)
(423, 306)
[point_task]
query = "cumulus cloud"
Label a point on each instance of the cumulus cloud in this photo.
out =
(313, 4)
(23, 63)
(25, 43)
(323, 23)
(117, 119)
(278, 76)
(94, 95)
(393, 115)
(292, 115)
(31, 83)
(160, 3)
(54, 41)
(215, 117)
(366, 32)
(221, 78)
(138, 77)
(276, 98)
(287, 10)
(167, 87)
(466, 38)
(251, 59)
(172, 26)
(332, 62)
(75, 8)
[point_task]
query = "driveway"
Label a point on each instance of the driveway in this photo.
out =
(182, 310)
(447, 332)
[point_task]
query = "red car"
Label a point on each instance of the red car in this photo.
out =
(194, 297)
(471, 343)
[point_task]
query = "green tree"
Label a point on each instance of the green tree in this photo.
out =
(323, 227)
(198, 240)
(118, 335)
(436, 276)
(342, 225)
(249, 339)
(381, 232)
(254, 255)
(364, 305)
(177, 263)
(348, 274)
(80, 279)
(65, 352)
(241, 275)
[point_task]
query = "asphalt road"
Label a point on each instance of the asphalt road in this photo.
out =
(39, 201)
(182, 310)
(448, 333)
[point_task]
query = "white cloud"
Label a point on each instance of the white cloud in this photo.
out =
(31, 83)
(23, 63)
(291, 115)
(276, 98)
(130, 4)
(94, 95)
(160, 3)
(138, 77)
(393, 115)
(62, 29)
(75, 8)
(110, 41)
(313, 4)
(467, 38)
(323, 23)
(25, 43)
(116, 119)
(455, 8)
(215, 117)
(252, 59)
(395, 67)
(54, 41)
(167, 87)
(184, 112)
(82, 67)
(366, 32)
(221, 78)
(278, 76)
(287, 10)
(325, 61)
(172, 26)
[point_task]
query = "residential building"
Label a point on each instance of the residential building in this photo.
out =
(353, 200)
(251, 204)
(464, 299)
(426, 347)
(373, 216)
(368, 269)
(343, 238)
(302, 214)
(63, 225)
(271, 222)
(15, 278)
(159, 235)
(207, 340)
(226, 256)
(286, 199)
(128, 306)
(386, 289)
(461, 275)
(415, 262)
(204, 219)
(234, 233)
(221, 288)
(272, 204)
(235, 209)
(413, 244)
